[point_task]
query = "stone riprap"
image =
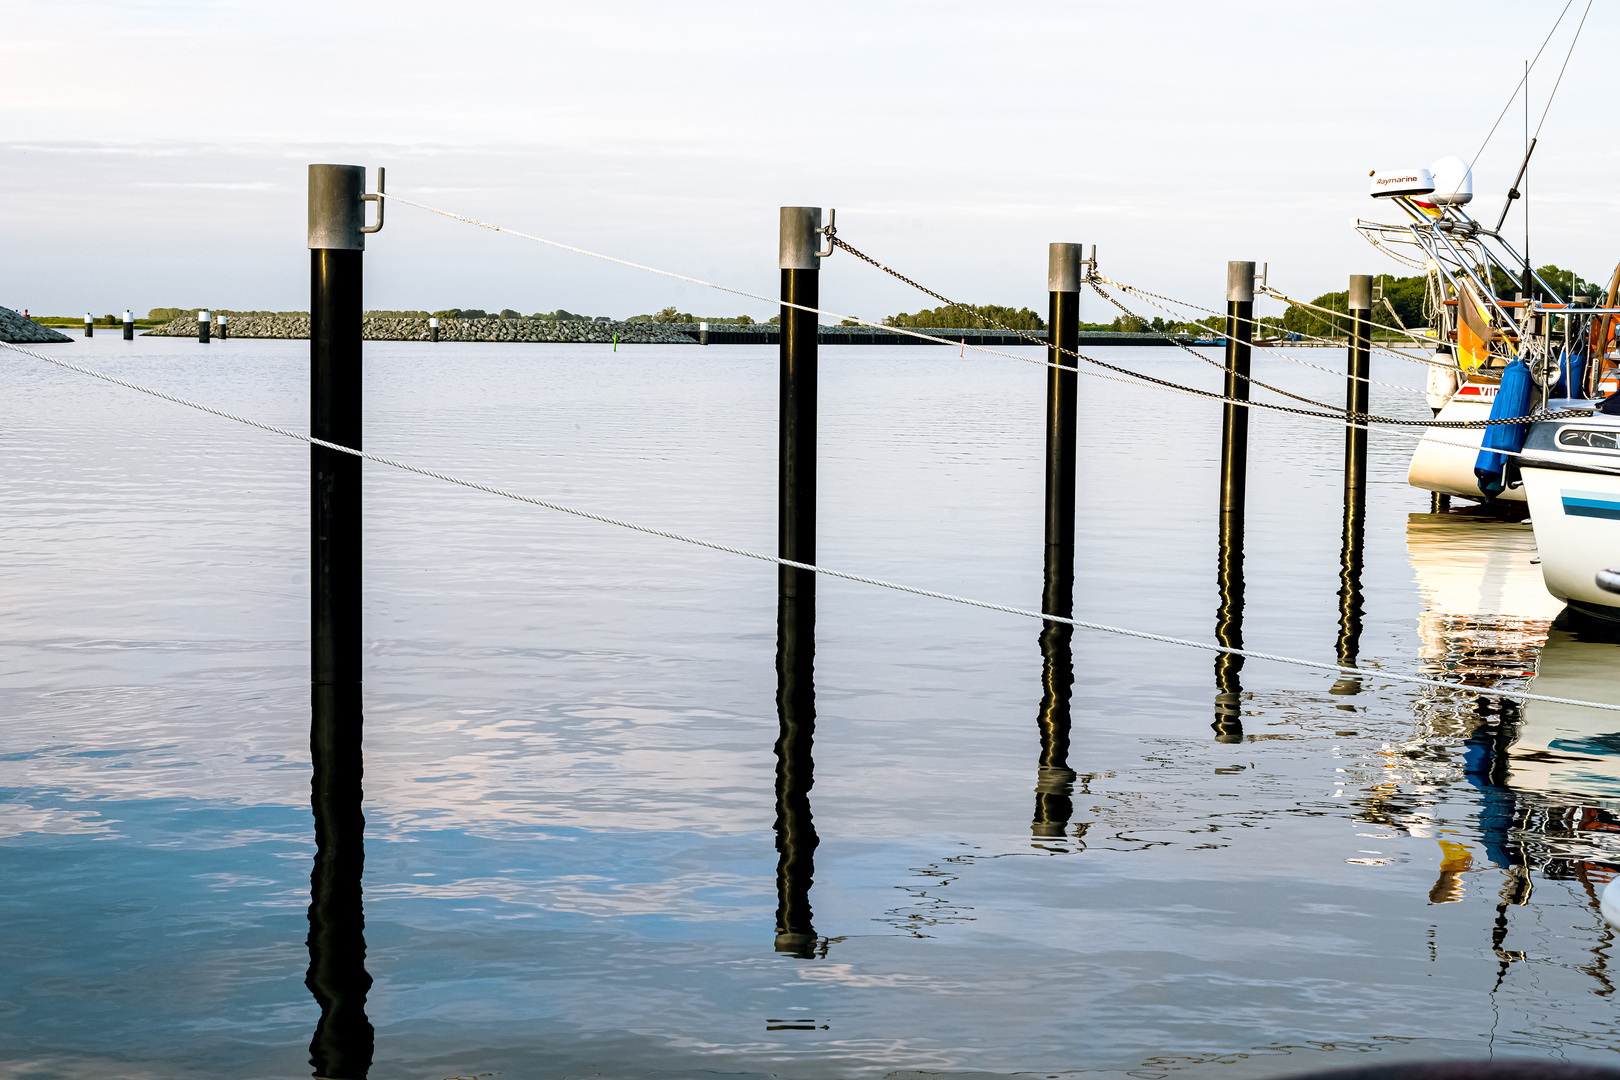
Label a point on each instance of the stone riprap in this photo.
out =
(396, 329)
(18, 329)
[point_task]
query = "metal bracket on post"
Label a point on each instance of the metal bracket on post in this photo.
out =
(1260, 286)
(829, 231)
(378, 199)
(1090, 265)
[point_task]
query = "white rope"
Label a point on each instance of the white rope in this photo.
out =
(813, 568)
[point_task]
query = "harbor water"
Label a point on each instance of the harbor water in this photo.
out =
(570, 791)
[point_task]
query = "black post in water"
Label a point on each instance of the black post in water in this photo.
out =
(1228, 723)
(89, 325)
(796, 438)
(796, 589)
(129, 325)
(203, 325)
(433, 329)
(224, 332)
(1054, 784)
(342, 1046)
(1235, 418)
(1054, 780)
(1063, 319)
(1356, 385)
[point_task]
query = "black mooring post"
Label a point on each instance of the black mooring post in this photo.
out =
(1054, 780)
(1356, 385)
(796, 432)
(89, 325)
(204, 324)
(433, 329)
(1054, 783)
(342, 1045)
(1235, 418)
(1063, 320)
(796, 589)
(1228, 722)
(129, 325)
(224, 331)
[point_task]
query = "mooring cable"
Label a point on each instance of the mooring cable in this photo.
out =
(1136, 378)
(1082, 624)
(1155, 298)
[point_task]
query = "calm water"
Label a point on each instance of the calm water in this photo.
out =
(570, 789)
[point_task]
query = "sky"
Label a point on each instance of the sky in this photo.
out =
(154, 152)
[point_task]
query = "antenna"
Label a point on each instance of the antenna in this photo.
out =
(1513, 192)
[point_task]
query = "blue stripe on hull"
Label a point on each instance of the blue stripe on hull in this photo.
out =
(1593, 504)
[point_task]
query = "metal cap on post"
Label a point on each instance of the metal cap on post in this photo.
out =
(801, 226)
(337, 207)
(1063, 267)
(1361, 292)
(1240, 282)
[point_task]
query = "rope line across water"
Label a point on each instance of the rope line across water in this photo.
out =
(813, 568)
(1131, 377)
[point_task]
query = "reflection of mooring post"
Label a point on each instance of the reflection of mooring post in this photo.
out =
(796, 589)
(337, 977)
(1355, 481)
(795, 772)
(1054, 784)
(1228, 723)
(1055, 780)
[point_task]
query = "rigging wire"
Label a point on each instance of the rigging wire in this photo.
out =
(1560, 78)
(1368, 673)
(1488, 135)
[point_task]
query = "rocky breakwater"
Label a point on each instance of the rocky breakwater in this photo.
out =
(18, 329)
(599, 331)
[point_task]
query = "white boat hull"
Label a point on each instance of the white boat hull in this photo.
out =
(1444, 460)
(1576, 516)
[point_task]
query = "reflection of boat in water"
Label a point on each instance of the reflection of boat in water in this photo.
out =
(1571, 752)
(1485, 610)
(1545, 778)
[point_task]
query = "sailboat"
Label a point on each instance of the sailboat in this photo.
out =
(1541, 355)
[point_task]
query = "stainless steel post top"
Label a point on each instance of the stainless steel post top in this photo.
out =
(1063, 267)
(1361, 291)
(1240, 282)
(800, 240)
(336, 209)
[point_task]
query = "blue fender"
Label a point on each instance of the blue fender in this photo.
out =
(1512, 399)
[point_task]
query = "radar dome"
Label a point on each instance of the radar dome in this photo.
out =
(1453, 182)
